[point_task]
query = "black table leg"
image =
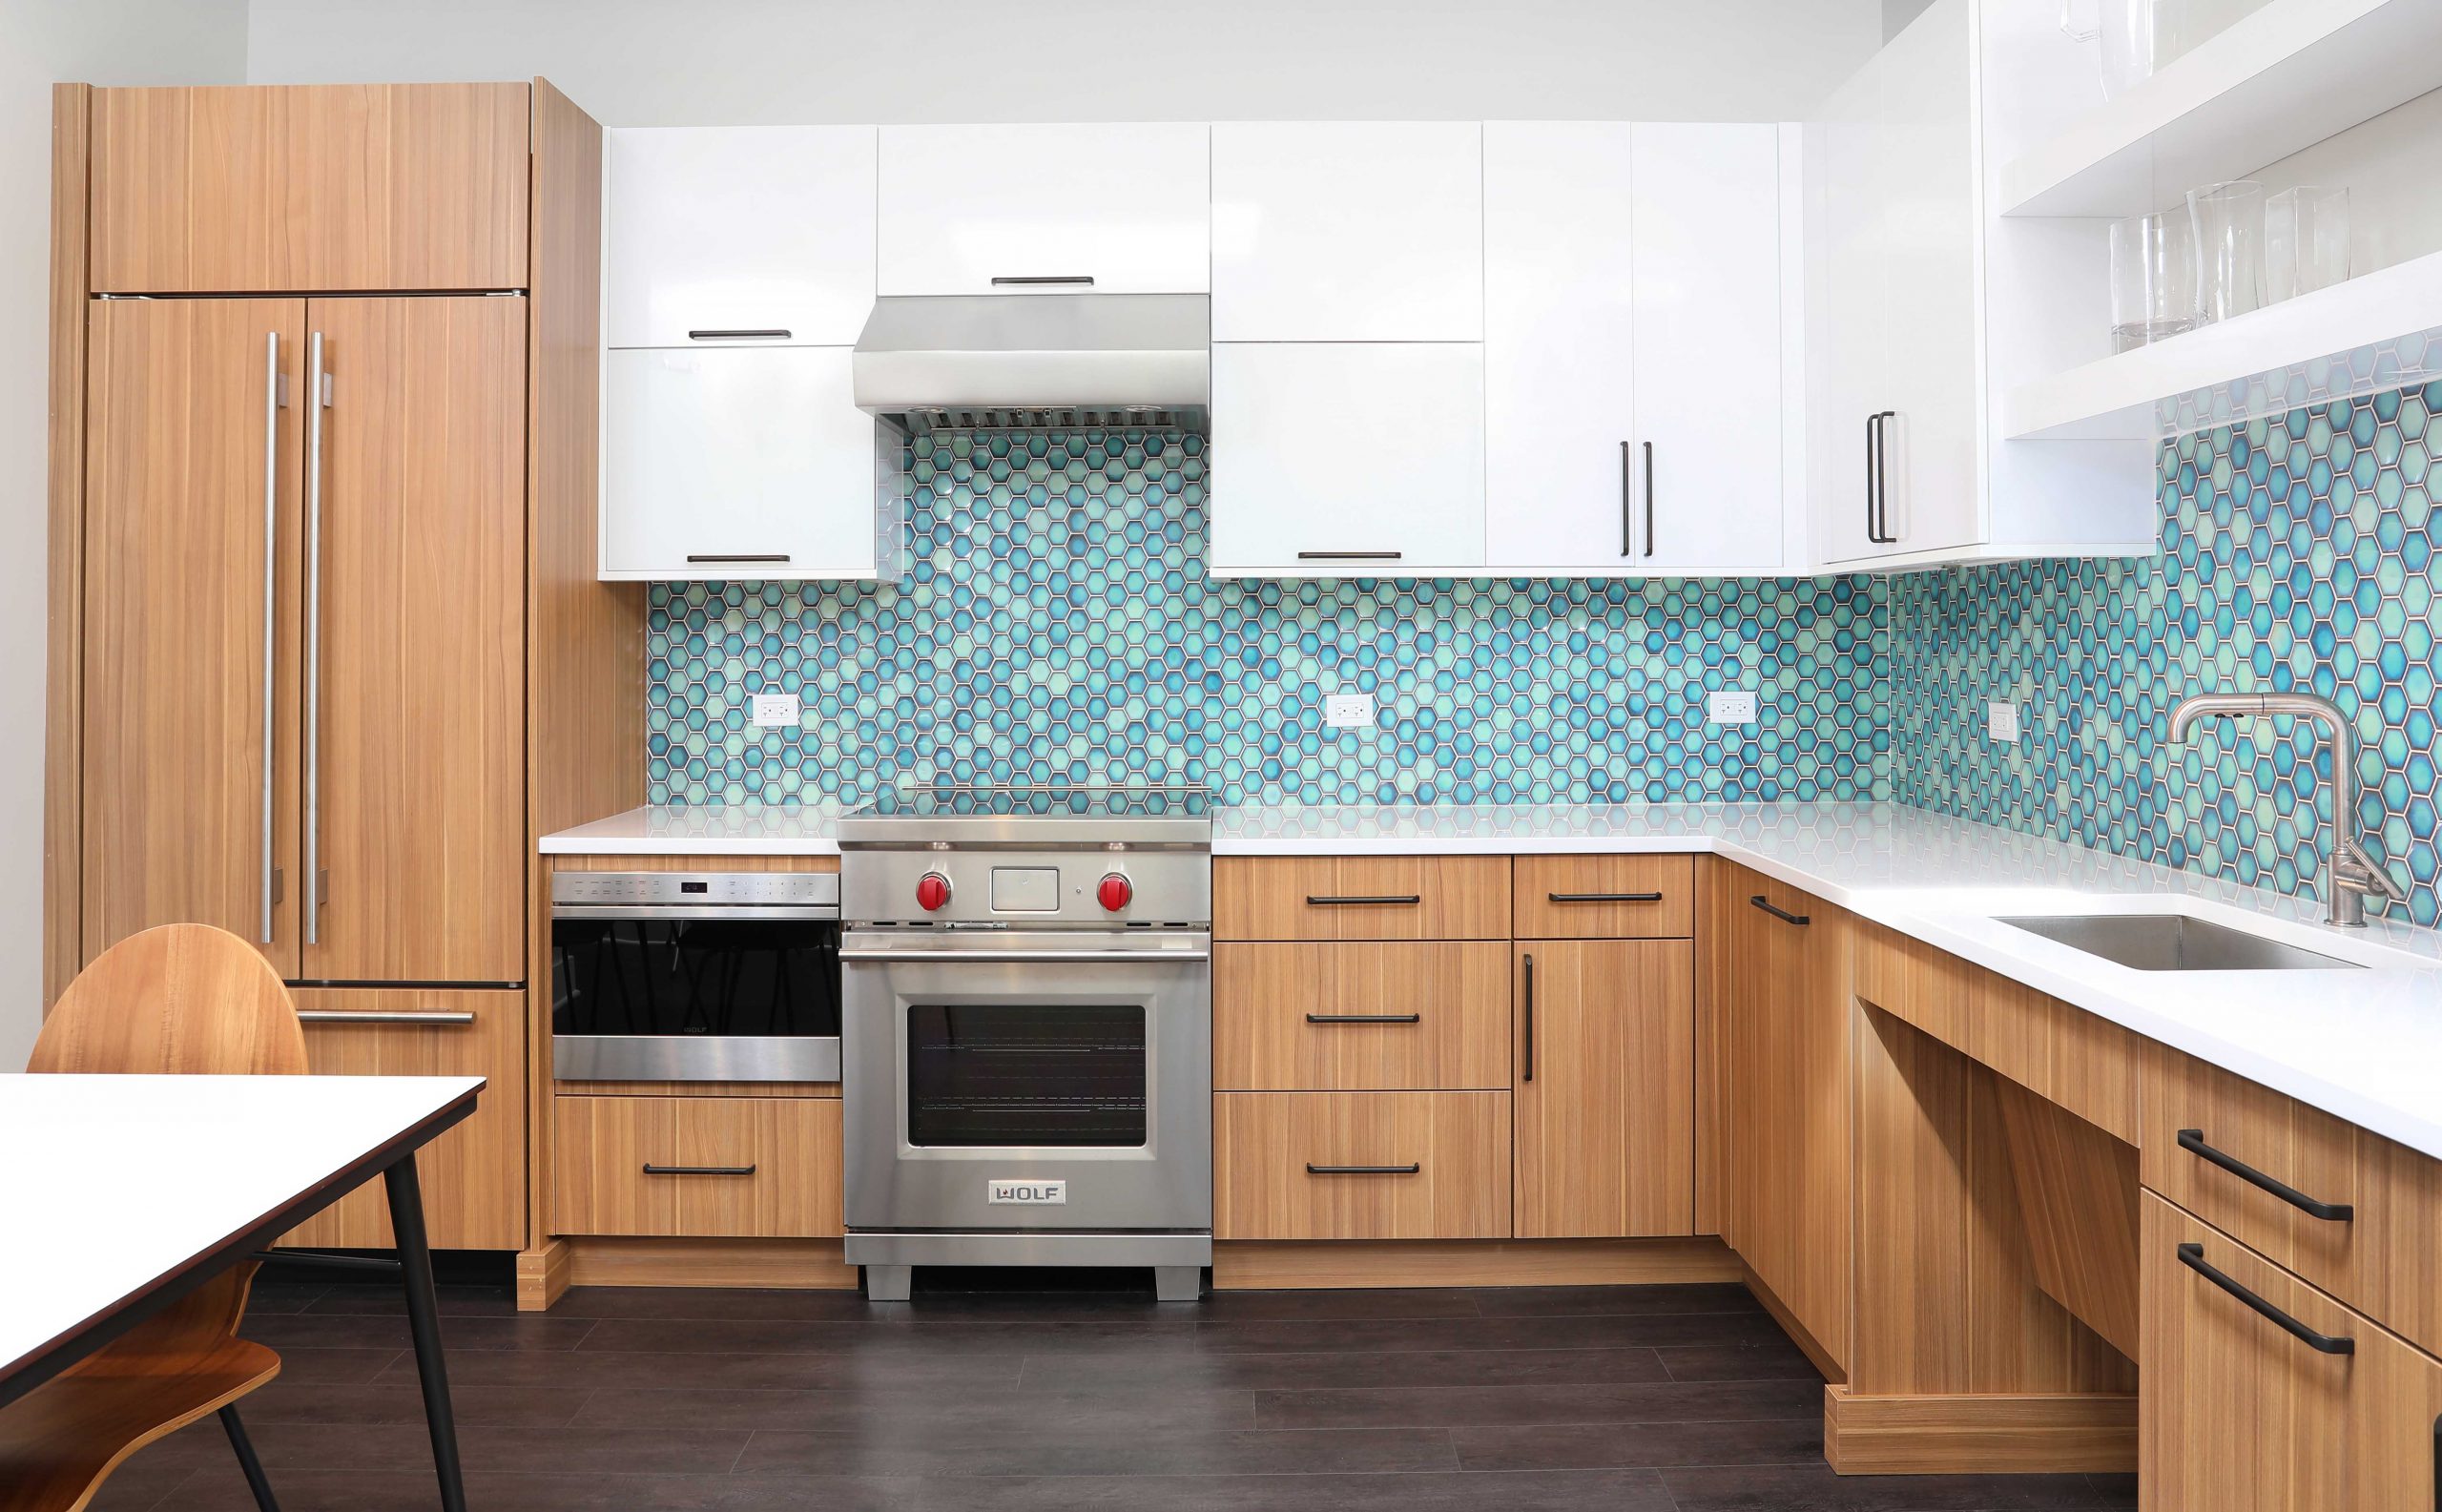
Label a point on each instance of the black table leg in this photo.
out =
(424, 1321)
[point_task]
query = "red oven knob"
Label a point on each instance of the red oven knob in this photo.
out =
(1115, 892)
(932, 892)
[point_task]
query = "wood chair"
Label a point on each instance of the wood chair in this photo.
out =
(178, 999)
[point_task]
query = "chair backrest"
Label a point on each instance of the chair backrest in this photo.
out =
(175, 999)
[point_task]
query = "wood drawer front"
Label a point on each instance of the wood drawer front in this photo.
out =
(1265, 1143)
(474, 1178)
(1603, 897)
(2086, 1063)
(2239, 1414)
(1360, 898)
(1916, 983)
(722, 1166)
(1266, 998)
(2276, 1136)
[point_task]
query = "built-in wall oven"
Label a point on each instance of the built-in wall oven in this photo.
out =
(696, 977)
(1029, 1037)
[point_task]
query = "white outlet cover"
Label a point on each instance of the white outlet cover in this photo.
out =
(774, 710)
(1737, 707)
(2001, 722)
(1349, 711)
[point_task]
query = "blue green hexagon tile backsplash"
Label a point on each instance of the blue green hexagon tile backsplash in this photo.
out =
(2298, 554)
(1058, 624)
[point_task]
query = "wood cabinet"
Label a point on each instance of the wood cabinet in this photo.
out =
(1630, 270)
(1292, 496)
(963, 209)
(1788, 1043)
(1347, 231)
(1604, 897)
(473, 1176)
(761, 235)
(699, 1166)
(1605, 1089)
(1361, 1165)
(743, 462)
(2260, 1392)
(240, 189)
(1422, 1016)
(1360, 898)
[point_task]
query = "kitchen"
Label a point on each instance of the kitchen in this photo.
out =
(1450, 780)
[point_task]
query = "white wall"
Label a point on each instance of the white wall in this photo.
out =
(738, 62)
(1897, 14)
(42, 42)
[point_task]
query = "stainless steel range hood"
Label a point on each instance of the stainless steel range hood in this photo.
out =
(1036, 362)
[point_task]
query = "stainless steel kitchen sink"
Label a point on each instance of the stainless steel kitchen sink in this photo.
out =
(2175, 942)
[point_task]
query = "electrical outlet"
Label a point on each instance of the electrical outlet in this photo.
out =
(1732, 708)
(2001, 723)
(1349, 711)
(774, 710)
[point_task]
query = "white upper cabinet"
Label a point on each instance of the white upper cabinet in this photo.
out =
(1635, 347)
(1348, 460)
(715, 230)
(1114, 209)
(742, 463)
(1347, 231)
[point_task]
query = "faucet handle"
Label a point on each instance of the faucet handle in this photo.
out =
(2360, 871)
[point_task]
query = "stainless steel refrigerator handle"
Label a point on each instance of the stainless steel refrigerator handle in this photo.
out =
(994, 958)
(317, 397)
(271, 596)
(377, 1016)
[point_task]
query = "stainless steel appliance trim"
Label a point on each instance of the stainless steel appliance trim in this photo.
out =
(271, 594)
(318, 398)
(695, 1058)
(694, 889)
(377, 1016)
(815, 913)
(1021, 1247)
(1003, 958)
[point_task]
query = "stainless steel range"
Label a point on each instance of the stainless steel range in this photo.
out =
(1027, 1031)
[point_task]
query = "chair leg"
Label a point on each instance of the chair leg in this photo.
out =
(247, 1461)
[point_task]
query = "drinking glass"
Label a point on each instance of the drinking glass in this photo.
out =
(2305, 241)
(2153, 279)
(2138, 37)
(2227, 222)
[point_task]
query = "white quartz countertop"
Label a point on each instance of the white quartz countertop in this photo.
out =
(2364, 1045)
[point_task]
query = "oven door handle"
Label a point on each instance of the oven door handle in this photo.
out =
(1003, 958)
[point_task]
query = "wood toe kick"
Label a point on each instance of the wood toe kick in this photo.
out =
(1989, 1435)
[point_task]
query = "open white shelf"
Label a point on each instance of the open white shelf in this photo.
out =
(2383, 330)
(2279, 80)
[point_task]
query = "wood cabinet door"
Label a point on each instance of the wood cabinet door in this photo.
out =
(415, 782)
(192, 547)
(1788, 1123)
(240, 189)
(473, 1176)
(1604, 1103)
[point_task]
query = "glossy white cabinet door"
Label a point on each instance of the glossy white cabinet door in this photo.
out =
(712, 459)
(1126, 205)
(1560, 345)
(761, 228)
(1347, 231)
(1349, 459)
(1706, 274)
(1848, 320)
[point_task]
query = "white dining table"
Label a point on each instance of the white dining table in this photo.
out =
(123, 1194)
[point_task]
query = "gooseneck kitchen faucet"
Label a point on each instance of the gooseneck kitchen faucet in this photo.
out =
(2355, 874)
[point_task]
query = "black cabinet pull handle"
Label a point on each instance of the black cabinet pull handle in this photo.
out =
(737, 556)
(1348, 557)
(2192, 1256)
(1022, 281)
(652, 1169)
(2437, 1464)
(1781, 914)
(1649, 498)
(1879, 486)
(1627, 503)
(1528, 1073)
(1315, 900)
(2192, 1140)
(1365, 1018)
(1605, 898)
(772, 335)
(1408, 1170)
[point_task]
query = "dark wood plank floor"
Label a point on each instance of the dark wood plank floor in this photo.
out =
(1681, 1399)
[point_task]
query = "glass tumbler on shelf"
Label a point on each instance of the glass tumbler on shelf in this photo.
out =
(2153, 279)
(2137, 36)
(2305, 241)
(2227, 221)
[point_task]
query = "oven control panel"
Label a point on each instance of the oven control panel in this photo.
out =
(695, 889)
(1027, 889)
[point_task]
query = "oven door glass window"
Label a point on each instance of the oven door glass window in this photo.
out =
(1003, 1074)
(741, 978)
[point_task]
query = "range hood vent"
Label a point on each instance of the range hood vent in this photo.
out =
(1036, 362)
